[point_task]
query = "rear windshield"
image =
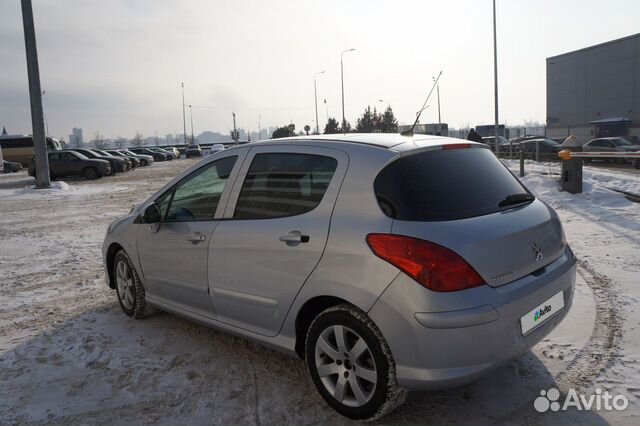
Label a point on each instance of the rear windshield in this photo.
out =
(445, 185)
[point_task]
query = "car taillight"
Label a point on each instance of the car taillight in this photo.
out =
(431, 265)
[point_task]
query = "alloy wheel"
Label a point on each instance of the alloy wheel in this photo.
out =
(345, 365)
(124, 281)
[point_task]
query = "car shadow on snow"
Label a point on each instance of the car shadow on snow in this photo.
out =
(102, 367)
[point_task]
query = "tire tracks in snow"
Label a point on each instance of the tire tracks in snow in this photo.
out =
(602, 348)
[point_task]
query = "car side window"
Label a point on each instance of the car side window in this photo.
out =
(196, 197)
(284, 184)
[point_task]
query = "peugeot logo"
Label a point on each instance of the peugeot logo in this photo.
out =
(537, 251)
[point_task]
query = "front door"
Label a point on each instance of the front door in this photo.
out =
(273, 234)
(174, 252)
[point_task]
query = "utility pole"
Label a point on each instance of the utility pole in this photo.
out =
(184, 118)
(438, 89)
(191, 115)
(35, 95)
(259, 128)
(495, 80)
(235, 132)
(315, 94)
(344, 121)
(327, 108)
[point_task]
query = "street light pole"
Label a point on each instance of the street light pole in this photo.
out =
(184, 118)
(191, 115)
(315, 95)
(35, 96)
(344, 121)
(495, 80)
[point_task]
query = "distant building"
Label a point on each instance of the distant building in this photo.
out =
(75, 138)
(595, 91)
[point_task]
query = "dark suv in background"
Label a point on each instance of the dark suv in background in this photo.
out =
(72, 163)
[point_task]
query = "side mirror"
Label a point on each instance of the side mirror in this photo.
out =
(152, 214)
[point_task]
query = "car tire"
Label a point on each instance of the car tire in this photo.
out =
(129, 288)
(359, 383)
(90, 173)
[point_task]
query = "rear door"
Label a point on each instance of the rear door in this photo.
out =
(273, 233)
(174, 255)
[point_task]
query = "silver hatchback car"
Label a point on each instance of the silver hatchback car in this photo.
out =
(389, 263)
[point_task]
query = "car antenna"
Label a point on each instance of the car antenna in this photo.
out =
(424, 106)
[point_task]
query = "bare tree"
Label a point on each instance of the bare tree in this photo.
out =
(138, 140)
(98, 141)
(120, 142)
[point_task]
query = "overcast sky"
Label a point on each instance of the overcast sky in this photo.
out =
(115, 66)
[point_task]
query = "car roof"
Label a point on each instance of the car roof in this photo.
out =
(392, 141)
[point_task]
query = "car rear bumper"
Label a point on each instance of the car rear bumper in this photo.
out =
(448, 339)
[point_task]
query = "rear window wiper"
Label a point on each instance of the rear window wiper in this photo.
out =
(512, 199)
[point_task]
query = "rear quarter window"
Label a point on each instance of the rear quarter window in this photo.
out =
(445, 185)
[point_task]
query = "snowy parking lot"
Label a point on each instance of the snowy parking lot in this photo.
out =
(69, 356)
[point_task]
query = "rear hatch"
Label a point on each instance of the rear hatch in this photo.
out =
(464, 199)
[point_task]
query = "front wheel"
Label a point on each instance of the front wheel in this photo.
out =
(90, 173)
(129, 288)
(351, 364)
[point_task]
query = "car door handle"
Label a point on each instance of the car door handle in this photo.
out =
(293, 238)
(196, 237)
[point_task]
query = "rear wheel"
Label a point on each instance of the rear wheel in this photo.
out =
(351, 364)
(129, 289)
(90, 173)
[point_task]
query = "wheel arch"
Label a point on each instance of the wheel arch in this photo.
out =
(113, 249)
(307, 313)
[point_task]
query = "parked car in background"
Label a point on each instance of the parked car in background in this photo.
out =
(173, 149)
(502, 141)
(193, 151)
(118, 165)
(135, 162)
(10, 166)
(358, 253)
(72, 163)
(170, 153)
(613, 144)
(212, 149)
(145, 160)
(107, 154)
(547, 149)
(157, 156)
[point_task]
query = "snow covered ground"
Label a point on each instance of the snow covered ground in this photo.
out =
(69, 356)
